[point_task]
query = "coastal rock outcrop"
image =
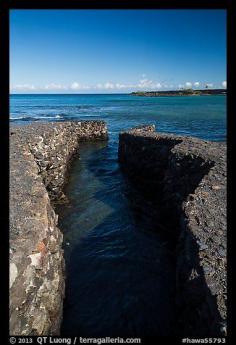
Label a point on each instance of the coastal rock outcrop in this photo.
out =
(183, 92)
(40, 154)
(187, 177)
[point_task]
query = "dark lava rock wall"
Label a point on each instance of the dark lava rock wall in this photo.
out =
(39, 158)
(188, 177)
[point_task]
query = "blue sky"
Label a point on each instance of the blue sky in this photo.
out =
(113, 51)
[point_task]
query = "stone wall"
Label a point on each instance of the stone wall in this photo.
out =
(187, 178)
(39, 157)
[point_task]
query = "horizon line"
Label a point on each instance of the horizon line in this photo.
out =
(112, 93)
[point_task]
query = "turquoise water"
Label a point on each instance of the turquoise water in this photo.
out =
(201, 116)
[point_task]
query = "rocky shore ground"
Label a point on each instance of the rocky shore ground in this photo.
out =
(39, 157)
(188, 177)
(183, 92)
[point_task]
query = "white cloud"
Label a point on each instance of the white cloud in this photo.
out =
(188, 84)
(181, 86)
(145, 84)
(109, 85)
(224, 84)
(23, 87)
(120, 86)
(142, 84)
(158, 85)
(209, 84)
(54, 86)
(196, 84)
(77, 86)
(99, 86)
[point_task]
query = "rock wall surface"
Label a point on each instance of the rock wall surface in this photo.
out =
(188, 178)
(39, 157)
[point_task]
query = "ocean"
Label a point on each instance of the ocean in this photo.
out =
(200, 116)
(120, 269)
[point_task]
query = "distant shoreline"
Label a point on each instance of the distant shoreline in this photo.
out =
(207, 92)
(187, 92)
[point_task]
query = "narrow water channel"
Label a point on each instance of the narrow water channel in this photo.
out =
(120, 273)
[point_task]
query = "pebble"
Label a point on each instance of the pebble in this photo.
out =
(216, 187)
(222, 252)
